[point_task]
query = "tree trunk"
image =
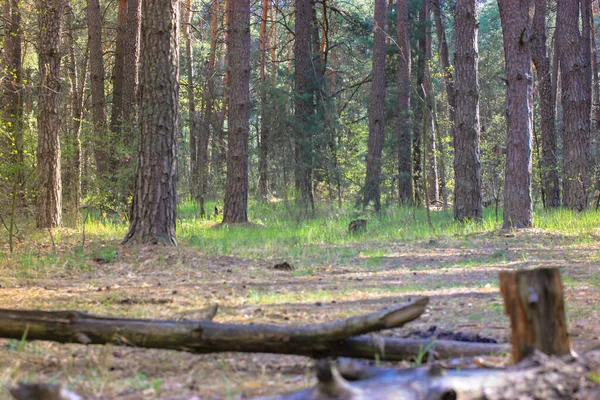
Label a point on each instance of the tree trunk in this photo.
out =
(419, 106)
(11, 102)
(596, 83)
(575, 92)
(235, 208)
(405, 168)
(467, 167)
(50, 19)
(304, 106)
(535, 304)
(549, 161)
(154, 201)
(445, 62)
(116, 116)
(101, 142)
(131, 59)
(263, 166)
(372, 189)
(193, 123)
(77, 99)
(514, 17)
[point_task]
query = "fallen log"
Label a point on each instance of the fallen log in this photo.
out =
(206, 336)
(539, 377)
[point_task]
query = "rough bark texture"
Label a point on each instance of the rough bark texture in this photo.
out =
(405, 169)
(11, 101)
(206, 336)
(154, 201)
(372, 189)
(77, 77)
(575, 93)
(263, 166)
(193, 123)
(303, 103)
(419, 107)
(539, 377)
(535, 304)
(514, 16)
(116, 116)
(101, 142)
(445, 61)
(238, 59)
(131, 59)
(50, 20)
(467, 166)
(539, 55)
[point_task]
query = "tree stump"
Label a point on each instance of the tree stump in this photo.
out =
(534, 301)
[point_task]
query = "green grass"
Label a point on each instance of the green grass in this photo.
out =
(275, 232)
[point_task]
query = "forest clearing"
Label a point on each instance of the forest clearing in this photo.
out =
(335, 275)
(328, 167)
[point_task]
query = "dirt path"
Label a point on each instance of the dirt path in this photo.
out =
(460, 277)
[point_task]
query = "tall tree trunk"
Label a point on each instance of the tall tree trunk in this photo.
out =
(263, 166)
(418, 108)
(77, 78)
(235, 208)
(131, 59)
(539, 55)
(467, 167)
(574, 50)
(445, 61)
(372, 189)
(50, 20)
(154, 202)
(204, 130)
(193, 123)
(303, 107)
(429, 145)
(514, 17)
(101, 142)
(116, 116)
(405, 168)
(11, 102)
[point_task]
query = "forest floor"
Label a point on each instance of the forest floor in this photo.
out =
(459, 273)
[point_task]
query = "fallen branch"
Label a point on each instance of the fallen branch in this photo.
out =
(206, 336)
(540, 377)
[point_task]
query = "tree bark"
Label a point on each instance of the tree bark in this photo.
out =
(405, 167)
(418, 108)
(193, 123)
(154, 202)
(50, 20)
(101, 141)
(204, 336)
(11, 102)
(303, 104)
(467, 166)
(263, 166)
(77, 76)
(372, 189)
(235, 208)
(576, 99)
(514, 17)
(131, 59)
(445, 62)
(539, 55)
(536, 378)
(535, 304)
(116, 117)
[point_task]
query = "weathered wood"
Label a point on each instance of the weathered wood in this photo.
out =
(534, 301)
(206, 336)
(540, 377)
